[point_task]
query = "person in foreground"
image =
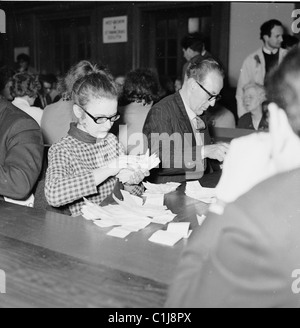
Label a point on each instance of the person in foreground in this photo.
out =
(247, 252)
(21, 154)
(177, 117)
(84, 163)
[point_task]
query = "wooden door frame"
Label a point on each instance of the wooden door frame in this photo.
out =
(220, 29)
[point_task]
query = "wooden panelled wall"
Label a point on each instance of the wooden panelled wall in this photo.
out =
(31, 24)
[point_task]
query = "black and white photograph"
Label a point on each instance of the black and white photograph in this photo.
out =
(149, 157)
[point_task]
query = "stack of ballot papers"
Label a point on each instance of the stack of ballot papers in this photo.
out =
(133, 163)
(195, 190)
(162, 188)
(131, 214)
(174, 233)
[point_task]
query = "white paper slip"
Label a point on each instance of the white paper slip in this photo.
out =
(179, 228)
(195, 190)
(165, 238)
(104, 223)
(162, 188)
(119, 232)
(154, 199)
(200, 219)
(163, 219)
(131, 199)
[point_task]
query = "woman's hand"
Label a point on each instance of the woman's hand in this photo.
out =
(132, 177)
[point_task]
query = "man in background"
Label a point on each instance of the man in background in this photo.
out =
(193, 47)
(257, 66)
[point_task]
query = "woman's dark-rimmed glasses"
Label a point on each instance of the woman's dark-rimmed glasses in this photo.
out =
(101, 119)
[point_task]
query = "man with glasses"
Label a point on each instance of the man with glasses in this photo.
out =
(177, 133)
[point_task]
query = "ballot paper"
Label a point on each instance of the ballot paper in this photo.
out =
(195, 190)
(174, 233)
(154, 199)
(129, 214)
(119, 232)
(162, 188)
(131, 163)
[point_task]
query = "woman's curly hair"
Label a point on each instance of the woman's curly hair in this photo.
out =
(25, 84)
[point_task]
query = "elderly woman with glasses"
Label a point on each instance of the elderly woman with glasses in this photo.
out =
(84, 163)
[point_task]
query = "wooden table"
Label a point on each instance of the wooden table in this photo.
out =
(52, 260)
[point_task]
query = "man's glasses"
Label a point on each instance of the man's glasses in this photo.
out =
(101, 119)
(211, 96)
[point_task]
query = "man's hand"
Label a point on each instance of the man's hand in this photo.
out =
(216, 151)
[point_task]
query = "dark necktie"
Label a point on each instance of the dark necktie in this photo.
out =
(200, 125)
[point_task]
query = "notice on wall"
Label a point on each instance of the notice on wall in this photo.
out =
(115, 29)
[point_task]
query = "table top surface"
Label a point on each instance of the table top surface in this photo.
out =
(53, 260)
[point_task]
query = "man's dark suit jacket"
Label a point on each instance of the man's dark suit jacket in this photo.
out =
(247, 257)
(166, 118)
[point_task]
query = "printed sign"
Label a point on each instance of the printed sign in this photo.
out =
(115, 29)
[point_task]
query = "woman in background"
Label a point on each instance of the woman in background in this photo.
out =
(253, 98)
(58, 116)
(140, 91)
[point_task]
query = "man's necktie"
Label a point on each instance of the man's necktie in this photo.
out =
(199, 124)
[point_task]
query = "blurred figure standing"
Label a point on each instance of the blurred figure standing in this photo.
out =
(6, 75)
(256, 66)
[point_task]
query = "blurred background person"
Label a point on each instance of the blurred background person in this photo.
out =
(140, 91)
(193, 45)
(54, 92)
(259, 64)
(58, 116)
(220, 117)
(25, 89)
(178, 84)
(289, 42)
(254, 97)
(43, 98)
(166, 86)
(6, 75)
(23, 64)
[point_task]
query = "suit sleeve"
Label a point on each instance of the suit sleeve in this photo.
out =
(231, 263)
(177, 157)
(23, 160)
